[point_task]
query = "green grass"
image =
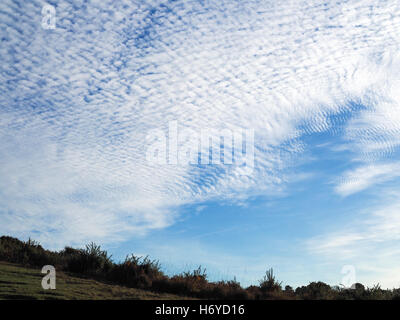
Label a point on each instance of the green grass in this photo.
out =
(18, 282)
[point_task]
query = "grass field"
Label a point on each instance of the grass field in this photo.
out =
(18, 282)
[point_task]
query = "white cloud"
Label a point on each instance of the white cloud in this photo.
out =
(80, 99)
(366, 176)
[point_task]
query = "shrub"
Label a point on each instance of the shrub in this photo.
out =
(188, 283)
(396, 294)
(230, 290)
(89, 261)
(316, 291)
(289, 289)
(254, 292)
(136, 272)
(356, 292)
(376, 293)
(269, 284)
(28, 253)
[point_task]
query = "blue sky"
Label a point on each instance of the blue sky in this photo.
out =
(315, 81)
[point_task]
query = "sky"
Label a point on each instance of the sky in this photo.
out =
(99, 99)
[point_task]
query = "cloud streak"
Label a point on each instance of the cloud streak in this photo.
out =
(364, 177)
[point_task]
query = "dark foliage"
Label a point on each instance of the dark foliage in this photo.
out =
(136, 272)
(144, 273)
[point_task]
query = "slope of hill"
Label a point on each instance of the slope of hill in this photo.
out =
(90, 273)
(18, 282)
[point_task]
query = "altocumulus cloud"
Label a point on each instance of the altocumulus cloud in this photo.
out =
(77, 102)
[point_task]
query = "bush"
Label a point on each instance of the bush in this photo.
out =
(89, 261)
(29, 253)
(230, 290)
(188, 283)
(316, 291)
(269, 284)
(289, 290)
(376, 293)
(136, 272)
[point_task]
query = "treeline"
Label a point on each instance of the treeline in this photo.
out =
(144, 273)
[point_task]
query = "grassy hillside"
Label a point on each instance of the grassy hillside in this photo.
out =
(18, 282)
(90, 273)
